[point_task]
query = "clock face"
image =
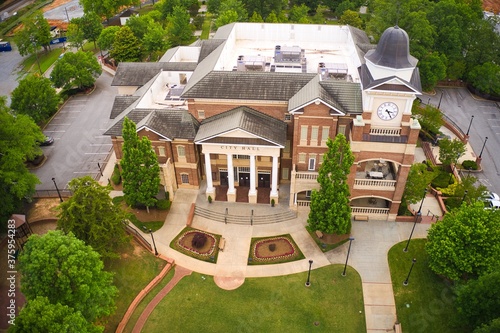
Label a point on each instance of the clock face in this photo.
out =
(387, 111)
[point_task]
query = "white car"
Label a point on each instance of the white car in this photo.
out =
(490, 196)
(493, 204)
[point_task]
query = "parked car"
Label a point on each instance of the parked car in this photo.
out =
(490, 196)
(48, 141)
(493, 204)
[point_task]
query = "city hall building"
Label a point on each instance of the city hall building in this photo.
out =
(247, 114)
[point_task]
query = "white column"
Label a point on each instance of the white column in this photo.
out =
(208, 172)
(252, 175)
(274, 176)
(230, 173)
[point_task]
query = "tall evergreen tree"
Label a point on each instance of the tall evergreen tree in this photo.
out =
(126, 47)
(330, 211)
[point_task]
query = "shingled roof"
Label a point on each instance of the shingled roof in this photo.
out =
(272, 130)
(120, 104)
(248, 85)
(139, 73)
(171, 124)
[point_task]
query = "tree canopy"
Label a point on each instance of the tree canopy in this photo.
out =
(329, 210)
(79, 69)
(35, 97)
(16, 181)
(34, 34)
(72, 275)
(429, 117)
(466, 243)
(178, 28)
(450, 150)
(126, 47)
(418, 180)
(107, 37)
(92, 217)
(107, 8)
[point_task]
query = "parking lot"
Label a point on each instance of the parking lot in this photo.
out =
(79, 147)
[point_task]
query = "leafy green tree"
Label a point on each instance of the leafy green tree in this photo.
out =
(344, 6)
(429, 117)
(107, 38)
(420, 31)
(256, 18)
(72, 275)
(107, 8)
(486, 78)
(477, 301)
(91, 26)
(155, 39)
(351, 18)
(178, 28)
(34, 34)
(92, 217)
(79, 69)
(272, 18)
(492, 327)
(75, 33)
(466, 243)
(237, 6)
(140, 169)
(226, 17)
(310, 4)
(263, 7)
(39, 315)
(126, 47)
(139, 25)
(35, 97)
(330, 211)
(16, 182)
(213, 6)
(450, 150)
(419, 178)
(432, 69)
(299, 14)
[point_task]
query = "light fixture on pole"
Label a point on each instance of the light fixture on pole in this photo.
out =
(308, 283)
(465, 194)
(152, 238)
(348, 251)
(468, 129)
(417, 216)
(440, 98)
(484, 144)
(405, 283)
(57, 189)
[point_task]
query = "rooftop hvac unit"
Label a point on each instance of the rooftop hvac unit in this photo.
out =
(332, 70)
(287, 54)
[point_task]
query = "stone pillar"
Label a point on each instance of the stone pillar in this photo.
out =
(231, 192)
(208, 172)
(274, 180)
(252, 193)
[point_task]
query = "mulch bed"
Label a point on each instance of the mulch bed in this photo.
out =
(273, 250)
(209, 252)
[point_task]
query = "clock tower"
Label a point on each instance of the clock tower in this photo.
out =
(385, 136)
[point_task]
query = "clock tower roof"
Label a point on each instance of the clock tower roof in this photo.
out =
(393, 50)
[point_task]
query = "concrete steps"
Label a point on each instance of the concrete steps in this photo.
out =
(245, 219)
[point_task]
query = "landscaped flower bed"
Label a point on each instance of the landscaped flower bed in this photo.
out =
(198, 244)
(273, 250)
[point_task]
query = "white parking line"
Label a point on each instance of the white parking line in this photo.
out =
(55, 131)
(60, 124)
(97, 153)
(100, 144)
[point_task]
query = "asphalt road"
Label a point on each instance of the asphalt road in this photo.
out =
(459, 105)
(78, 141)
(69, 10)
(9, 63)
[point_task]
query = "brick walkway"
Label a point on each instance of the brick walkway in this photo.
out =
(180, 272)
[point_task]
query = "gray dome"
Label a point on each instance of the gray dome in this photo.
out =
(393, 50)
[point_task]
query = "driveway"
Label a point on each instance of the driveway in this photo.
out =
(77, 129)
(459, 105)
(8, 71)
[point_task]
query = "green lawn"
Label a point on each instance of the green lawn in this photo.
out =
(30, 64)
(426, 303)
(279, 304)
(133, 271)
(206, 26)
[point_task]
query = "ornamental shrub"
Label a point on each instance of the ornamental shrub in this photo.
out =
(469, 164)
(163, 204)
(116, 177)
(199, 240)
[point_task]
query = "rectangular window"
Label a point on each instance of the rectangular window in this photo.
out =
(308, 194)
(314, 136)
(201, 114)
(303, 135)
(181, 151)
(284, 173)
(185, 178)
(342, 129)
(241, 157)
(302, 158)
(161, 151)
(312, 163)
(288, 117)
(325, 133)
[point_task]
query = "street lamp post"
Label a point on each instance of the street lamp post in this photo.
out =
(57, 189)
(100, 171)
(152, 238)
(405, 283)
(440, 98)
(468, 129)
(484, 144)
(465, 194)
(419, 214)
(308, 283)
(348, 251)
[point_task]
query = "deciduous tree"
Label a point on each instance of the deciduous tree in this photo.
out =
(429, 117)
(106, 8)
(79, 69)
(237, 6)
(299, 14)
(92, 217)
(418, 180)
(39, 315)
(34, 34)
(126, 47)
(486, 78)
(155, 39)
(35, 97)
(75, 33)
(107, 38)
(351, 18)
(330, 211)
(66, 271)
(91, 26)
(450, 150)
(466, 243)
(178, 28)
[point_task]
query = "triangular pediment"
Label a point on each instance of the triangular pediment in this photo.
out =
(392, 84)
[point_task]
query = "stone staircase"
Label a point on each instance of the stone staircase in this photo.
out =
(245, 219)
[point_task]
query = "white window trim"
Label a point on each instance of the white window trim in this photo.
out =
(313, 160)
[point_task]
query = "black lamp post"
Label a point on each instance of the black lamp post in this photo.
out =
(405, 283)
(100, 171)
(152, 237)
(348, 251)
(308, 283)
(440, 98)
(484, 144)
(468, 129)
(419, 214)
(57, 189)
(465, 194)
